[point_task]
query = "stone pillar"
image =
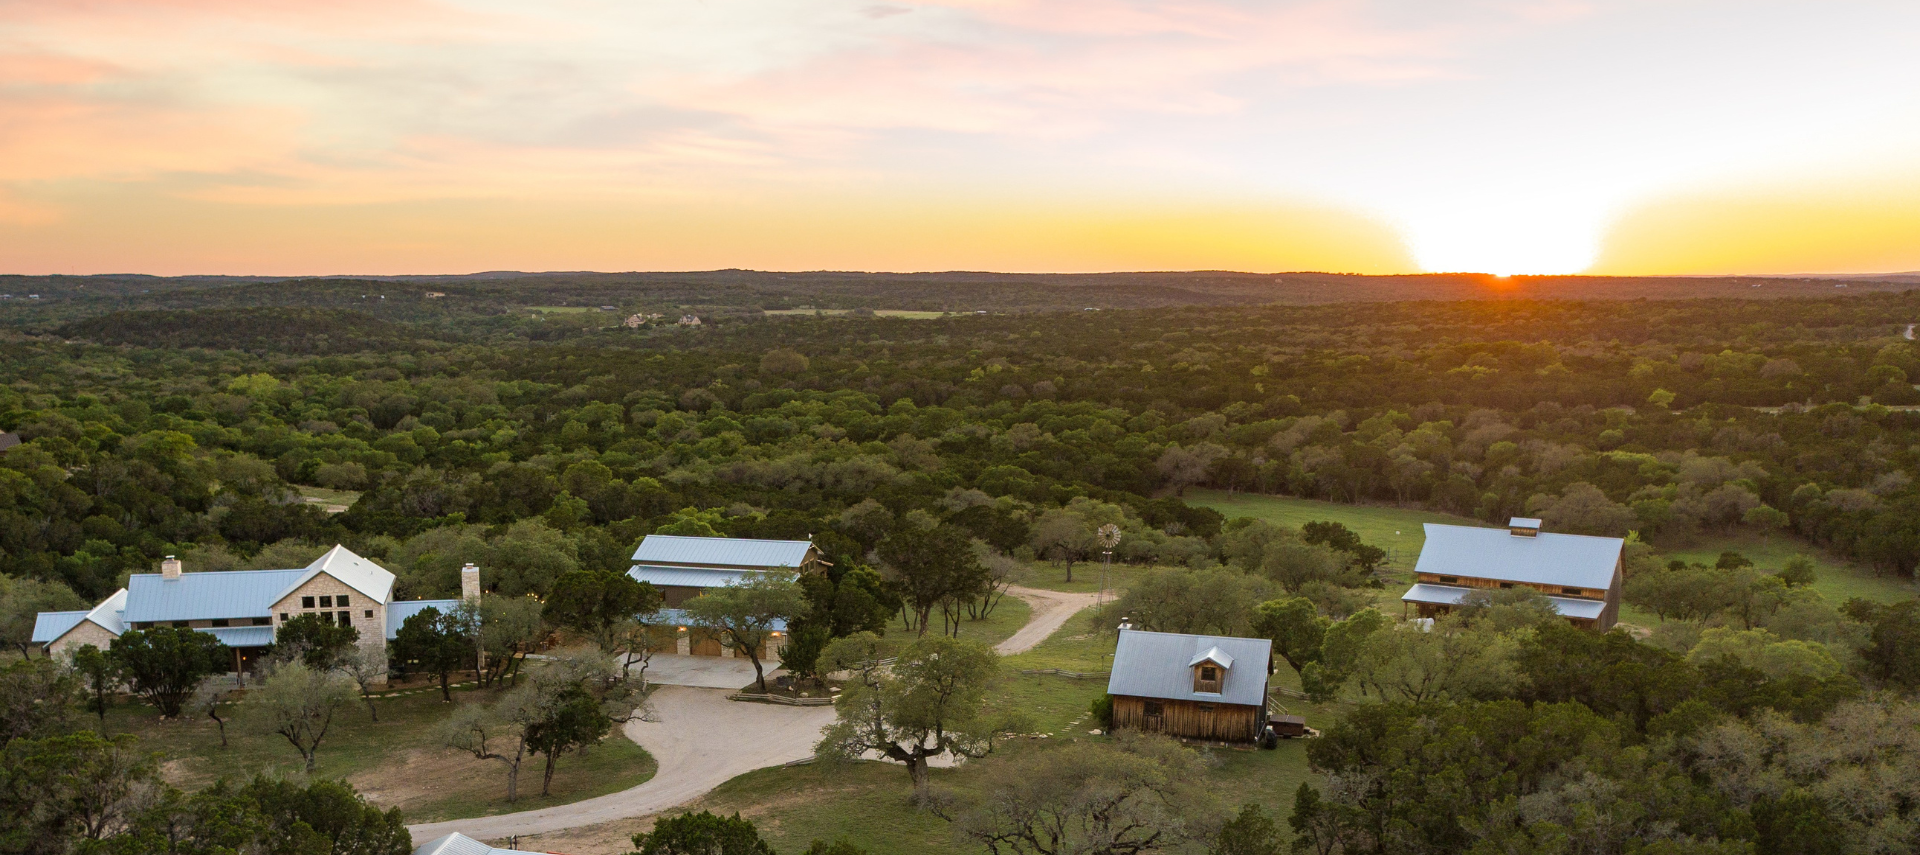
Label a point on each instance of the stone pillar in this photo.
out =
(470, 583)
(682, 644)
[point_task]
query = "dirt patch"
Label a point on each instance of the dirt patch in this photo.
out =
(607, 838)
(423, 776)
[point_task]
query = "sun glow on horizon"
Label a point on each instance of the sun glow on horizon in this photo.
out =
(1516, 137)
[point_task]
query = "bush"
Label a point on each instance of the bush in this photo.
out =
(1102, 709)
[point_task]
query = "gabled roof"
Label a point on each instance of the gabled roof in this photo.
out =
(460, 844)
(1212, 654)
(49, 626)
(352, 570)
(1573, 560)
(205, 596)
(1160, 665)
(721, 551)
(686, 577)
(397, 613)
(1448, 595)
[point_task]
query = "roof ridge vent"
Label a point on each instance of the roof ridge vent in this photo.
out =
(1523, 527)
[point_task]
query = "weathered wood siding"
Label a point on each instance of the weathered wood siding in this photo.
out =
(1190, 719)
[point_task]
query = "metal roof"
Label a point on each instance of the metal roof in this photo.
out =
(1214, 655)
(460, 844)
(397, 613)
(241, 636)
(1573, 560)
(1523, 522)
(1155, 665)
(205, 596)
(723, 551)
(1448, 595)
(679, 617)
(686, 577)
(48, 626)
(352, 570)
(109, 614)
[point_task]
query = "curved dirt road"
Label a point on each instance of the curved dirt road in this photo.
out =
(1051, 610)
(700, 741)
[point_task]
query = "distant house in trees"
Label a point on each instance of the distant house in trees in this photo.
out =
(8, 440)
(689, 320)
(1579, 574)
(245, 608)
(1205, 687)
(681, 567)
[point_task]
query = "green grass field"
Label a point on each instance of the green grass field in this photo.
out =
(1398, 531)
(332, 501)
(394, 762)
(885, 313)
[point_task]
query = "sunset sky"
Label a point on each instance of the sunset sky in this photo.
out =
(1504, 136)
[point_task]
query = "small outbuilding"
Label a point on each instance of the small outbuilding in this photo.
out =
(1205, 687)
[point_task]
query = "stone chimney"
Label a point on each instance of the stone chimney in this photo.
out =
(1126, 623)
(170, 568)
(1523, 527)
(470, 583)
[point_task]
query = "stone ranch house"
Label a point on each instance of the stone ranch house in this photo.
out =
(245, 608)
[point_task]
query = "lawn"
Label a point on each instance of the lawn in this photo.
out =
(331, 501)
(1008, 615)
(394, 762)
(885, 313)
(1396, 530)
(1052, 576)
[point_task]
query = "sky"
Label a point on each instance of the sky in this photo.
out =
(290, 137)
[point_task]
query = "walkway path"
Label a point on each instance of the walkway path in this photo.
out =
(701, 740)
(1051, 609)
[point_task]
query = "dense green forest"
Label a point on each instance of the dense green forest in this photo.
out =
(460, 429)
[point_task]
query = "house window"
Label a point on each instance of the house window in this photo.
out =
(346, 619)
(341, 601)
(1449, 579)
(219, 621)
(263, 621)
(306, 602)
(1154, 709)
(284, 618)
(326, 602)
(325, 617)
(180, 624)
(1574, 591)
(1209, 673)
(1206, 707)
(368, 614)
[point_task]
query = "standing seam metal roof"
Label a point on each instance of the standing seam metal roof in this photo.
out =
(205, 596)
(686, 577)
(49, 626)
(1447, 595)
(725, 551)
(1572, 560)
(1154, 665)
(397, 613)
(460, 844)
(352, 570)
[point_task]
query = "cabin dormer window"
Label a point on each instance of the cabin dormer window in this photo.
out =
(1209, 673)
(1206, 678)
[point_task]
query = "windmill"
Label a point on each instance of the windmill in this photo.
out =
(1109, 537)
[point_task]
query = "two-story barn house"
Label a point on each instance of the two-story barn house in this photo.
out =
(682, 567)
(1580, 575)
(245, 608)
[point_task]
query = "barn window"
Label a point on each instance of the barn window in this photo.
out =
(1449, 579)
(1506, 584)
(1209, 673)
(1575, 591)
(180, 624)
(1154, 708)
(219, 622)
(1206, 707)
(263, 621)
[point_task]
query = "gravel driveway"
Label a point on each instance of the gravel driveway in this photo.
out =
(701, 740)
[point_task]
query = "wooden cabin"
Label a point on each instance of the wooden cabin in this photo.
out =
(1204, 687)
